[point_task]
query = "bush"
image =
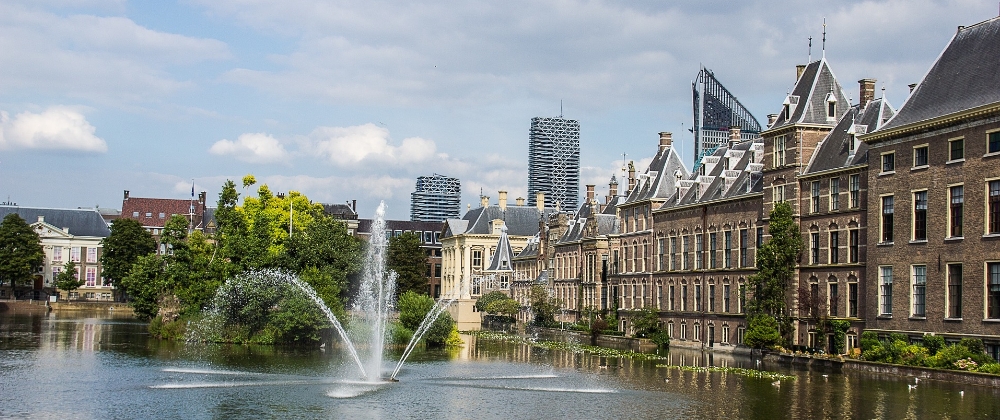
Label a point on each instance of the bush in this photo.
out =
(869, 341)
(762, 332)
(440, 331)
(398, 334)
(974, 345)
(660, 338)
(413, 308)
(933, 343)
(992, 368)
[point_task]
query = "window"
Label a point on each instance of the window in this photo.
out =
(74, 254)
(885, 290)
(699, 247)
(744, 255)
(684, 331)
(887, 215)
(684, 252)
(919, 297)
(477, 258)
(994, 206)
(814, 293)
(57, 254)
(725, 334)
(831, 109)
(55, 272)
(743, 298)
(834, 299)
(852, 300)
(760, 237)
(920, 216)
(834, 247)
(162, 215)
(697, 297)
(725, 294)
(814, 207)
(993, 142)
(956, 149)
(954, 290)
(670, 296)
(135, 214)
(673, 253)
(727, 255)
(834, 194)
(957, 201)
(684, 297)
(920, 156)
(713, 245)
(855, 186)
(91, 254)
(660, 245)
(855, 239)
(993, 293)
(149, 214)
(91, 279)
(778, 193)
(779, 149)
(814, 248)
(889, 162)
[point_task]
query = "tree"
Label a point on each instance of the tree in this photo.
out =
(146, 283)
(499, 306)
(413, 308)
(21, 252)
(409, 261)
(543, 306)
(647, 325)
(776, 260)
(128, 241)
(68, 279)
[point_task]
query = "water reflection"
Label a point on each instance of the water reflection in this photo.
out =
(92, 366)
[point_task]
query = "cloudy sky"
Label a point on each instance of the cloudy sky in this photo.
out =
(354, 99)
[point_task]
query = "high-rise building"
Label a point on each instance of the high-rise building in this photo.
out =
(436, 198)
(716, 110)
(554, 161)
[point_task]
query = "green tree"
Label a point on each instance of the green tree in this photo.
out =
(776, 260)
(439, 332)
(68, 279)
(128, 241)
(21, 252)
(413, 308)
(146, 283)
(543, 306)
(409, 261)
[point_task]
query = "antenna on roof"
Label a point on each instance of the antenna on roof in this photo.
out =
(810, 59)
(824, 38)
(560, 109)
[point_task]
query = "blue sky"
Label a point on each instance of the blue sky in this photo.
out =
(346, 100)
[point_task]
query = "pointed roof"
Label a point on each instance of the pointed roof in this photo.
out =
(79, 222)
(964, 77)
(835, 150)
(659, 178)
(810, 96)
(501, 260)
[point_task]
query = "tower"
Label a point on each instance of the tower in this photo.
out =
(554, 161)
(716, 110)
(437, 197)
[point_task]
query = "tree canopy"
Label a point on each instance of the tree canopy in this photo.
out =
(409, 261)
(128, 241)
(68, 279)
(21, 252)
(776, 260)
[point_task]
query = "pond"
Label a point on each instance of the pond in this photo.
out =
(81, 365)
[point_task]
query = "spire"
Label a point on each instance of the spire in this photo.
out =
(824, 38)
(501, 260)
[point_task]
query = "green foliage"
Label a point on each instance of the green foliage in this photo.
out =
(543, 306)
(398, 334)
(413, 308)
(146, 282)
(68, 279)
(574, 348)
(932, 343)
(440, 331)
(500, 308)
(974, 345)
(454, 340)
(838, 327)
(869, 340)
(488, 298)
(329, 285)
(405, 256)
(991, 368)
(297, 320)
(762, 331)
(21, 252)
(966, 355)
(120, 250)
(776, 261)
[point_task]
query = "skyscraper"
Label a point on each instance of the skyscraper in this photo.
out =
(715, 111)
(436, 198)
(554, 161)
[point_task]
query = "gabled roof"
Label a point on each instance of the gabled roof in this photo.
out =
(810, 96)
(835, 150)
(501, 260)
(530, 250)
(747, 179)
(965, 76)
(659, 178)
(79, 222)
(340, 211)
(520, 220)
(137, 208)
(607, 224)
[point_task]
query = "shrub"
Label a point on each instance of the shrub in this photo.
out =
(933, 343)
(869, 341)
(762, 331)
(993, 368)
(398, 334)
(974, 345)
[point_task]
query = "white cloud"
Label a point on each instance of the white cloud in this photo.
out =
(56, 128)
(252, 148)
(351, 146)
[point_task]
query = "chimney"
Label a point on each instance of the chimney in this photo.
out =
(41, 219)
(519, 201)
(631, 177)
(734, 136)
(503, 200)
(126, 195)
(665, 141)
(771, 118)
(202, 196)
(612, 190)
(867, 91)
(540, 201)
(799, 69)
(912, 86)
(354, 206)
(484, 201)
(590, 193)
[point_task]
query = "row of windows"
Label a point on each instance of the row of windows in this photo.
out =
(833, 299)
(680, 258)
(953, 293)
(427, 237)
(637, 295)
(834, 247)
(90, 279)
(956, 152)
(74, 254)
(740, 332)
(854, 194)
(955, 213)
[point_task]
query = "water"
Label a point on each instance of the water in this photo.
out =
(80, 365)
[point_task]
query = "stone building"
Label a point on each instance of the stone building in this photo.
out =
(934, 200)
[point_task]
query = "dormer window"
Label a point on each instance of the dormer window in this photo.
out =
(831, 105)
(786, 111)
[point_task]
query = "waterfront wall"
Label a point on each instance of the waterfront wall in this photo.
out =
(974, 378)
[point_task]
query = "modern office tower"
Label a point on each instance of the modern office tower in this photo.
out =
(436, 198)
(715, 111)
(554, 161)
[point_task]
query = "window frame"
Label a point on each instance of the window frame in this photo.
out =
(854, 188)
(887, 218)
(956, 211)
(918, 291)
(992, 204)
(953, 290)
(888, 162)
(992, 142)
(834, 247)
(918, 216)
(991, 271)
(815, 189)
(854, 245)
(921, 151)
(951, 150)
(834, 194)
(885, 291)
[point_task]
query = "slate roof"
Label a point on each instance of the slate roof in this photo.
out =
(658, 179)
(835, 150)
(340, 211)
(529, 251)
(501, 260)
(965, 76)
(520, 220)
(365, 226)
(748, 179)
(137, 208)
(607, 224)
(808, 99)
(80, 222)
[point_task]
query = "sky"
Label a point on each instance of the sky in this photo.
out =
(353, 100)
